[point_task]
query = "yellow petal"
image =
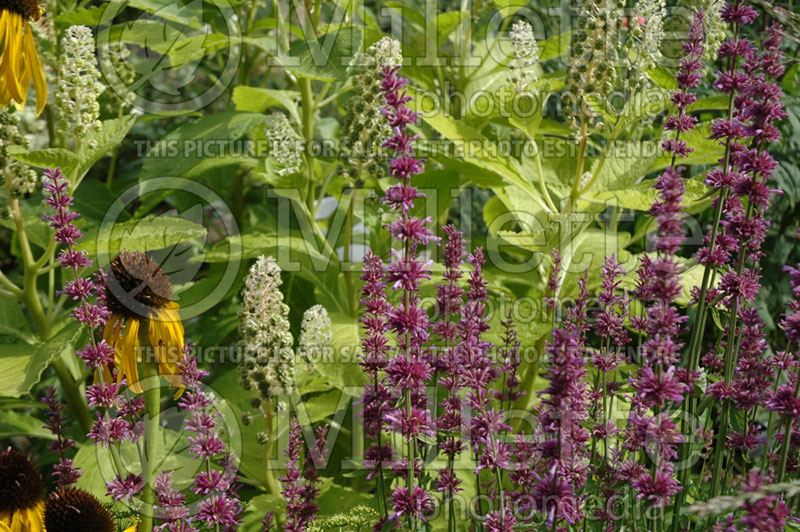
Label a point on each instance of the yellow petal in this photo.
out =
(132, 528)
(35, 66)
(11, 63)
(166, 336)
(129, 355)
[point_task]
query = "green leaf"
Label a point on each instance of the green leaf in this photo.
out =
(81, 16)
(98, 143)
(326, 58)
(343, 372)
(641, 196)
(46, 158)
(21, 366)
(555, 46)
(186, 147)
(14, 424)
(258, 100)
(706, 150)
(12, 320)
(145, 234)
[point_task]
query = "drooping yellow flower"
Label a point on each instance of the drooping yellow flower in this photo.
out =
(74, 510)
(21, 506)
(139, 297)
(19, 62)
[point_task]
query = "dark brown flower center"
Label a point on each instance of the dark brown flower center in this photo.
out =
(20, 482)
(136, 286)
(74, 510)
(28, 9)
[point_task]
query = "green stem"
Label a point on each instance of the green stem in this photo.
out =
(308, 106)
(273, 488)
(30, 298)
(787, 438)
(152, 410)
(349, 274)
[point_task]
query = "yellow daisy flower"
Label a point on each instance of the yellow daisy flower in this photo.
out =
(19, 61)
(74, 510)
(139, 296)
(21, 506)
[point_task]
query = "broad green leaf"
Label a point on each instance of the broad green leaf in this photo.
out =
(146, 234)
(258, 100)
(12, 320)
(182, 13)
(706, 150)
(187, 146)
(98, 143)
(343, 371)
(21, 366)
(14, 424)
(641, 196)
(84, 16)
(625, 164)
(475, 149)
(327, 57)
(45, 158)
(555, 46)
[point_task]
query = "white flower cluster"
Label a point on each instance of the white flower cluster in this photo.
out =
(283, 143)
(78, 85)
(18, 178)
(643, 47)
(316, 334)
(365, 127)
(525, 57)
(267, 361)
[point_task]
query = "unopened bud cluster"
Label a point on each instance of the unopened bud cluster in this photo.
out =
(116, 59)
(78, 85)
(283, 144)
(267, 362)
(19, 180)
(642, 50)
(525, 57)
(592, 64)
(365, 128)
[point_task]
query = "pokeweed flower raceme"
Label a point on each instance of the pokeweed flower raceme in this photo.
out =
(78, 85)
(315, 335)
(525, 57)
(267, 363)
(19, 60)
(16, 177)
(365, 128)
(283, 144)
(21, 488)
